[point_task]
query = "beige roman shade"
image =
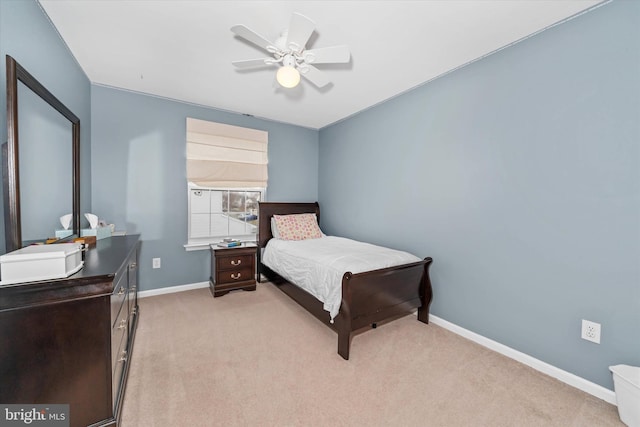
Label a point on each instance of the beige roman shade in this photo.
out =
(225, 156)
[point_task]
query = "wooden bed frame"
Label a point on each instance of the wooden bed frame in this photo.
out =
(367, 298)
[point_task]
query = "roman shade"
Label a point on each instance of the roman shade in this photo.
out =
(226, 156)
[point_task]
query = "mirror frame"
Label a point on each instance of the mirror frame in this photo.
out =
(11, 171)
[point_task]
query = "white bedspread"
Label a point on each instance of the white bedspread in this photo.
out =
(317, 265)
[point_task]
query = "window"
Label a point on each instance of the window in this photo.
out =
(227, 177)
(223, 213)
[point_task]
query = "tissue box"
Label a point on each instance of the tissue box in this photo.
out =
(61, 234)
(41, 262)
(99, 232)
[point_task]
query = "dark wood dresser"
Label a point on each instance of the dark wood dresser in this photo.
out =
(69, 341)
(233, 269)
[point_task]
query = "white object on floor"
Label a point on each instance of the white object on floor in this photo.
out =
(626, 381)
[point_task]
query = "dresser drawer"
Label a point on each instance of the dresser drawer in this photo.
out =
(119, 363)
(133, 282)
(118, 297)
(118, 331)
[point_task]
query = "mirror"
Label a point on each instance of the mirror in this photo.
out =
(41, 161)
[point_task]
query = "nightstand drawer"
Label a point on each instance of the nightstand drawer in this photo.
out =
(237, 275)
(234, 262)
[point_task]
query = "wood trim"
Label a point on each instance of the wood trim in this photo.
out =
(11, 173)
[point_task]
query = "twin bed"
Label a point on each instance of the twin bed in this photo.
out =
(379, 284)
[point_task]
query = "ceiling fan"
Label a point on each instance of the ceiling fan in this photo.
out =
(290, 54)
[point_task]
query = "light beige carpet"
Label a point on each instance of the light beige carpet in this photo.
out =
(258, 359)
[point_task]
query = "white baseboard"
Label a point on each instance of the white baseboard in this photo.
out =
(172, 289)
(557, 373)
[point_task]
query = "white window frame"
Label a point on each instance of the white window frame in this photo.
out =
(202, 243)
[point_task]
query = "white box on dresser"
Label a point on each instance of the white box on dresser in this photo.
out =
(40, 262)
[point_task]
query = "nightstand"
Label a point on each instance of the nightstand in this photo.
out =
(233, 268)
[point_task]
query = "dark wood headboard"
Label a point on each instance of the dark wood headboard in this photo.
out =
(267, 209)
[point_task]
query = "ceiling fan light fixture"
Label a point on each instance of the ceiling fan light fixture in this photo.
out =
(288, 76)
(290, 51)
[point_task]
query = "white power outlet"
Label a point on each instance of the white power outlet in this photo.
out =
(156, 263)
(591, 331)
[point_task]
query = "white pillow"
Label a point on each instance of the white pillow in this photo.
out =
(276, 234)
(301, 226)
(274, 228)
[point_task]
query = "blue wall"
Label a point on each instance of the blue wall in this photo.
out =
(520, 175)
(139, 175)
(27, 35)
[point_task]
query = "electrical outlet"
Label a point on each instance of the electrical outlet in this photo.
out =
(156, 263)
(591, 331)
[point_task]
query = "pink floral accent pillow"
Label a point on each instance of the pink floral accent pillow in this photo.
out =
(297, 227)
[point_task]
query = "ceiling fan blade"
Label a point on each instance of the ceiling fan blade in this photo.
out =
(253, 37)
(327, 55)
(314, 75)
(300, 29)
(253, 63)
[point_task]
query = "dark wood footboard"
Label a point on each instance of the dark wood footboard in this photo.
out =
(374, 296)
(367, 298)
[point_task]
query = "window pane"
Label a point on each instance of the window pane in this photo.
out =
(199, 225)
(199, 201)
(253, 197)
(225, 201)
(219, 225)
(251, 214)
(217, 201)
(236, 201)
(251, 228)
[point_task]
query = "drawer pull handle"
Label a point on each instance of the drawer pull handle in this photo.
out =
(121, 291)
(236, 276)
(123, 324)
(236, 262)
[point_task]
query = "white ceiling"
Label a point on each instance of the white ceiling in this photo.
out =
(182, 49)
